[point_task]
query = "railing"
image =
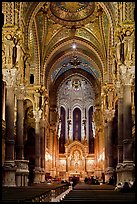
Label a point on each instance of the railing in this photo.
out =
(54, 195)
(59, 193)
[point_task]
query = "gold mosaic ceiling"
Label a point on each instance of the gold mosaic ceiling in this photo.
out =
(67, 13)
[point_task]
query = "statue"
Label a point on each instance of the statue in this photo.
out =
(128, 47)
(9, 49)
(124, 47)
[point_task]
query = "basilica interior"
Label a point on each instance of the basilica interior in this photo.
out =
(68, 91)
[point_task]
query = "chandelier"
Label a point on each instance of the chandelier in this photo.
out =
(74, 61)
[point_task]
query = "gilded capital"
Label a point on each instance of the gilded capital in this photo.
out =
(119, 89)
(37, 115)
(9, 75)
(108, 115)
(20, 92)
(127, 74)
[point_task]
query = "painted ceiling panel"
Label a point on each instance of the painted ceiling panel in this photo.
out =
(65, 65)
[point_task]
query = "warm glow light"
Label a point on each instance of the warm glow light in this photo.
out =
(101, 157)
(90, 161)
(48, 157)
(74, 46)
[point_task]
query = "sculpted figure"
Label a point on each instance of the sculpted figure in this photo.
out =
(128, 47)
(9, 49)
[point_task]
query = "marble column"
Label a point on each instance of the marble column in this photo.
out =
(106, 147)
(9, 167)
(3, 99)
(128, 166)
(43, 145)
(22, 165)
(120, 131)
(37, 116)
(52, 143)
(127, 142)
(110, 145)
(19, 129)
(110, 169)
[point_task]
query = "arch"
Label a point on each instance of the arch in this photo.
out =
(73, 145)
(64, 44)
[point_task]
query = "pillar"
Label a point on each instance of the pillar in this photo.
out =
(37, 116)
(109, 170)
(43, 147)
(128, 166)
(106, 145)
(53, 135)
(3, 100)
(127, 142)
(120, 131)
(110, 145)
(9, 167)
(22, 165)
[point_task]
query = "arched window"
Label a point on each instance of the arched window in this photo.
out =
(91, 138)
(31, 79)
(77, 124)
(63, 130)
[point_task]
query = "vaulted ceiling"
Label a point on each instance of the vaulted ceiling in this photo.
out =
(53, 27)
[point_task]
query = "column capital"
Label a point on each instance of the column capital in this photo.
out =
(127, 74)
(108, 115)
(119, 89)
(9, 75)
(20, 92)
(108, 87)
(37, 115)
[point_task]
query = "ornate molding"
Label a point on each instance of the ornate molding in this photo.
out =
(126, 166)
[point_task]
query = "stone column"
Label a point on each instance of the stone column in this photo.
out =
(106, 147)
(19, 125)
(37, 116)
(110, 145)
(120, 131)
(43, 145)
(22, 165)
(127, 142)
(9, 167)
(54, 153)
(3, 99)
(109, 170)
(52, 144)
(128, 166)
